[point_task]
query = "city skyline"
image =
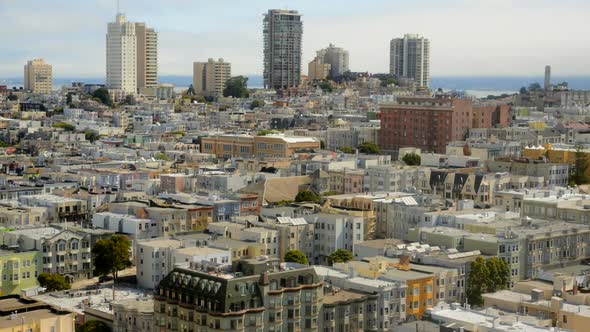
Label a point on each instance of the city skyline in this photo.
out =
(463, 46)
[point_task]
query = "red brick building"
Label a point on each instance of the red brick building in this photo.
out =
(492, 116)
(425, 123)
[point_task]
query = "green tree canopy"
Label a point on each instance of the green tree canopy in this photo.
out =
(256, 103)
(264, 132)
(161, 156)
(523, 91)
(296, 256)
(236, 87)
(103, 95)
(111, 256)
(340, 256)
(412, 159)
(535, 87)
(306, 196)
(91, 135)
(346, 149)
(64, 126)
(369, 148)
(53, 282)
(94, 326)
(485, 277)
(579, 176)
(11, 97)
(326, 86)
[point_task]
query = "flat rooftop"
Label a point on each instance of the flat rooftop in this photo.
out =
(341, 296)
(26, 318)
(98, 299)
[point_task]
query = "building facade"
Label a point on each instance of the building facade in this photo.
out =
(336, 57)
(425, 123)
(409, 57)
(121, 55)
(282, 32)
(38, 76)
(147, 57)
(209, 77)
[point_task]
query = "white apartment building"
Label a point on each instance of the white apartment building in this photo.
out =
(157, 257)
(410, 58)
(153, 261)
(127, 224)
(333, 232)
(121, 55)
(267, 238)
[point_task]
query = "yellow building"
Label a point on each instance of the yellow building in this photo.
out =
(567, 156)
(246, 146)
(420, 285)
(38, 76)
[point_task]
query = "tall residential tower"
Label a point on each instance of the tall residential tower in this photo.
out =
(38, 76)
(147, 56)
(132, 56)
(547, 84)
(283, 31)
(409, 57)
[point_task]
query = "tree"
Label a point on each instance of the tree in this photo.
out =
(346, 149)
(264, 132)
(236, 87)
(91, 135)
(64, 126)
(535, 87)
(256, 103)
(111, 256)
(94, 326)
(11, 97)
(580, 166)
(369, 148)
(340, 256)
(478, 281)
(103, 95)
(296, 256)
(191, 90)
(53, 282)
(499, 274)
(306, 196)
(161, 156)
(412, 159)
(58, 109)
(523, 91)
(326, 86)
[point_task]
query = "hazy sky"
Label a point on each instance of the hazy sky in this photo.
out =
(468, 37)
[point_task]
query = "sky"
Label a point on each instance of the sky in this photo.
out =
(468, 37)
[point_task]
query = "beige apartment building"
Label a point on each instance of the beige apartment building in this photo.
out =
(246, 146)
(147, 57)
(318, 70)
(209, 77)
(38, 76)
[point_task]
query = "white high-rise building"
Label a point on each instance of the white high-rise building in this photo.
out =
(122, 55)
(410, 58)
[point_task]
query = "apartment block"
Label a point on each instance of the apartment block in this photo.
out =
(20, 270)
(245, 146)
(60, 209)
(38, 77)
(409, 57)
(253, 294)
(425, 123)
(147, 57)
(282, 35)
(317, 70)
(63, 252)
(209, 77)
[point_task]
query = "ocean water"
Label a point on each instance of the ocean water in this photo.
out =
(476, 86)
